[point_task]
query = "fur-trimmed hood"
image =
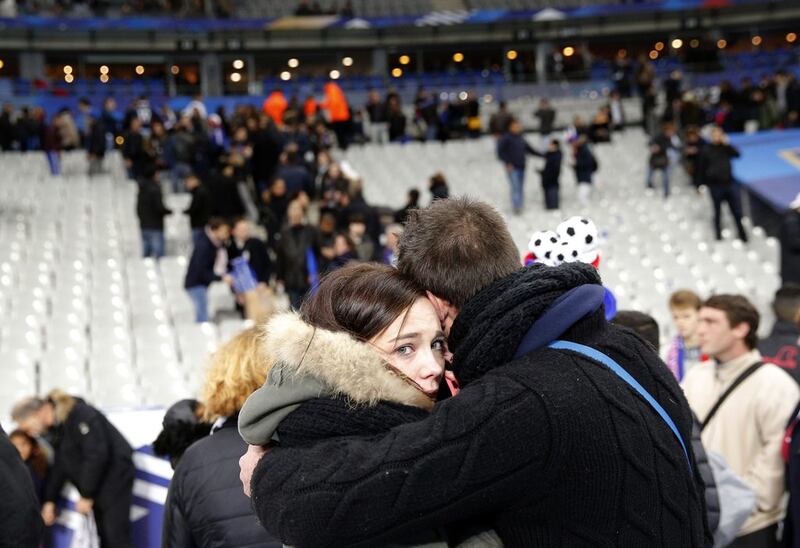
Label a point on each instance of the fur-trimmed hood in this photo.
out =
(348, 367)
(63, 404)
(312, 363)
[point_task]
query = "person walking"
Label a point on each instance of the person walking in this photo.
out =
(717, 174)
(511, 150)
(550, 174)
(295, 246)
(199, 210)
(663, 149)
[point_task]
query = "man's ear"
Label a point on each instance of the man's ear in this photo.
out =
(742, 330)
(440, 305)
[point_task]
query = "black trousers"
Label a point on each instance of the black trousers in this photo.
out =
(763, 538)
(550, 197)
(731, 195)
(113, 517)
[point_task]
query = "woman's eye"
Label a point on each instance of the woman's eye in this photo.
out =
(438, 345)
(404, 350)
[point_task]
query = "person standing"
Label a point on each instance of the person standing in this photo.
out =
(551, 173)
(205, 505)
(20, 521)
(208, 264)
(254, 250)
(744, 406)
(717, 173)
(782, 347)
(293, 249)
(151, 211)
(585, 166)
(684, 352)
(790, 243)
(500, 120)
(199, 210)
(663, 148)
(546, 116)
(91, 454)
(511, 150)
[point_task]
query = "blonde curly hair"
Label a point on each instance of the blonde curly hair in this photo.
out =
(237, 369)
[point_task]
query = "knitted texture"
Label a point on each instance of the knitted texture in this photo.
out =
(552, 449)
(324, 418)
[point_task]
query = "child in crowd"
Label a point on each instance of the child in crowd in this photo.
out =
(684, 351)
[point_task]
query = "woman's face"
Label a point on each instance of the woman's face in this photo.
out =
(415, 345)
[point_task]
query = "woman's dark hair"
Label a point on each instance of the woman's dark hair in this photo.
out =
(361, 299)
(37, 460)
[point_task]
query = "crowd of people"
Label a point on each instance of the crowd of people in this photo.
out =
(457, 354)
(105, 8)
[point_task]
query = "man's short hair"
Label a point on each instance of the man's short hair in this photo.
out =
(454, 248)
(643, 324)
(215, 222)
(685, 298)
(787, 302)
(25, 408)
(738, 310)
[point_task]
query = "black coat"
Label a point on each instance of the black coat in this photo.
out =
(257, 256)
(790, 247)
(512, 148)
(200, 208)
(552, 447)
(20, 522)
(714, 164)
(200, 271)
(292, 249)
(91, 454)
(782, 348)
(205, 505)
(585, 164)
(150, 206)
(552, 168)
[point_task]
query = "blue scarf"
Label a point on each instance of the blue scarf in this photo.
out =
(575, 304)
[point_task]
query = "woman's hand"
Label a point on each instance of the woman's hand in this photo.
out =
(248, 463)
(49, 513)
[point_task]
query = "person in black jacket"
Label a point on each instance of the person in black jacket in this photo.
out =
(585, 166)
(91, 454)
(199, 210)
(296, 242)
(21, 524)
(438, 187)
(96, 145)
(550, 174)
(717, 174)
(151, 211)
(549, 443)
(205, 506)
(790, 243)
(782, 347)
(511, 150)
(243, 244)
(208, 264)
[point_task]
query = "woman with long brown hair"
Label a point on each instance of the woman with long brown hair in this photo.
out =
(365, 353)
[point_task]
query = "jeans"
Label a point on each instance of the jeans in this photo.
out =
(516, 177)
(551, 197)
(731, 194)
(54, 159)
(153, 243)
(199, 296)
(665, 173)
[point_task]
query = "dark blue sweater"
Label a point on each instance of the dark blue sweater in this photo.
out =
(511, 149)
(201, 266)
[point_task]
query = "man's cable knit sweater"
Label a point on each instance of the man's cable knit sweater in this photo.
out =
(552, 448)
